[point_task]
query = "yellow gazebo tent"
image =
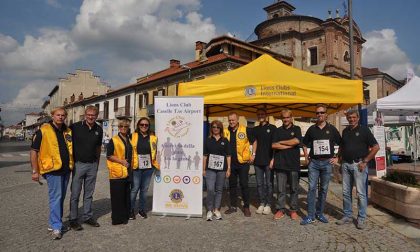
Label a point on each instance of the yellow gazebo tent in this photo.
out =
(266, 82)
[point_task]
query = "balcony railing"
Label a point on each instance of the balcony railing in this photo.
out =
(124, 112)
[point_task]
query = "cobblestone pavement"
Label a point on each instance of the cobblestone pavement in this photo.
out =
(24, 215)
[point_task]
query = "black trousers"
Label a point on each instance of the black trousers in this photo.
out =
(120, 200)
(241, 171)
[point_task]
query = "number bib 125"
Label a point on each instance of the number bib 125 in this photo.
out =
(216, 162)
(322, 147)
(145, 161)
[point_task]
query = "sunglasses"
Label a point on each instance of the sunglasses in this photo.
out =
(215, 127)
(144, 125)
(320, 113)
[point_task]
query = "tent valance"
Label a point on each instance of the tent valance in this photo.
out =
(266, 82)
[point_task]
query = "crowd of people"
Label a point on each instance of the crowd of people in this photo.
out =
(59, 151)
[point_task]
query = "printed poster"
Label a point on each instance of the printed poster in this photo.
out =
(179, 128)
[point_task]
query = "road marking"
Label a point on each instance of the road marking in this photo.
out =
(6, 155)
(24, 154)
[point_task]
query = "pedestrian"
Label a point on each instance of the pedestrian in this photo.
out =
(144, 153)
(240, 139)
(321, 139)
(216, 166)
(87, 142)
(119, 158)
(263, 162)
(52, 157)
(357, 148)
(286, 145)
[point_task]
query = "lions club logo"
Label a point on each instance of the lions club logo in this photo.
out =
(250, 91)
(176, 196)
(241, 135)
(177, 127)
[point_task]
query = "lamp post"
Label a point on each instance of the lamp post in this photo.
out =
(189, 71)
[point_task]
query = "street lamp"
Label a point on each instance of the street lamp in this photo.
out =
(189, 71)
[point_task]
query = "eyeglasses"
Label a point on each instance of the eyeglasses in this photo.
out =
(320, 113)
(123, 127)
(143, 125)
(215, 127)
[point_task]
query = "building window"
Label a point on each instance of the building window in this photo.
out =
(143, 100)
(127, 105)
(106, 110)
(346, 57)
(97, 106)
(313, 56)
(115, 105)
(159, 92)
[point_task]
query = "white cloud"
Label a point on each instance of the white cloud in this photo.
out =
(142, 29)
(120, 40)
(39, 56)
(53, 3)
(381, 50)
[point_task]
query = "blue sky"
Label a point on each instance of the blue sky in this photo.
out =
(42, 40)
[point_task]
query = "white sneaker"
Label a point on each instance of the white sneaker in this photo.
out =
(209, 216)
(218, 215)
(267, 210)
(260, 209)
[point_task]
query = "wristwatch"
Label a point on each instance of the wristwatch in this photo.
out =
(34, 172)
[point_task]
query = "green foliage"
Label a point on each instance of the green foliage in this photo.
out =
(402, 178)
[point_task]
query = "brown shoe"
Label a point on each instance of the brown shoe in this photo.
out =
(247, 213)
(294, 215)
(231, 210)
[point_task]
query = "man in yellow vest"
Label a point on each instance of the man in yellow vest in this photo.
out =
(52, 157)
(239, 142)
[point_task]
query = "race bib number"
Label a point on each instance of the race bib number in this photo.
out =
(322, 147)
(145, 162)
(216, 162)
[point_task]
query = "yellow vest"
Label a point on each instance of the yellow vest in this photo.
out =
(116, 170)
(49, 153)
(242, 144)
(153, 148)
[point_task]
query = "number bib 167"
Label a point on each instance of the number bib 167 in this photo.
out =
(216, 162)
(145, 162)
(322, 147)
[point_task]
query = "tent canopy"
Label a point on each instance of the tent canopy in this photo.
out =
(404, 101)
(270, 84)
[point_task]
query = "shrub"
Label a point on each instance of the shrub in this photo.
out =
(402, 178)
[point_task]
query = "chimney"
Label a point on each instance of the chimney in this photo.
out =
(174, 63)
(81, 96)
(72, 98)
(199, 49)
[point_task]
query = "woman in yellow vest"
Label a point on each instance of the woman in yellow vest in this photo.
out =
(144, 149)
(119, 158)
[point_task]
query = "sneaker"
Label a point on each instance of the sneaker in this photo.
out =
(218, 214)
(56, 234)
(307, 220)
(75, 226)
(132, 216)
(294, 215)
(209, 216)
(279, 214)
(267, 210)
(49, 229)
(142, 214)
(65, 228)
(361, 224)
(247, 212)
(92, 222)
(260, 209)
(344, 220)
(321, 218)
(231, 210)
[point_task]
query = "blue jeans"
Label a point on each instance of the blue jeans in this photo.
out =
(318, 170)
(351, 176)
(264, 176)
(141, 181)
(214, 181)
(57, 187)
